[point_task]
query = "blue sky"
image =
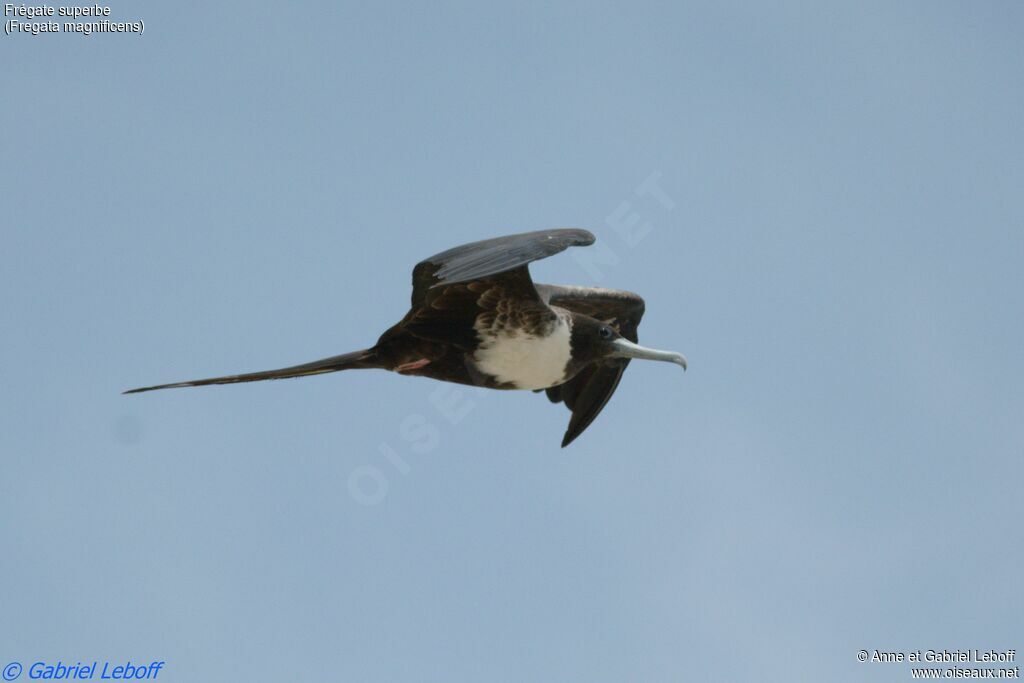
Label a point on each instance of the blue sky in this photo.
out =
(838, 252)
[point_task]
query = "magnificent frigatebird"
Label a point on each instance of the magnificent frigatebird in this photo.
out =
(478, 318)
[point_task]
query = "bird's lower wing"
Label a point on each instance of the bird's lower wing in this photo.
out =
(586, 395)
(589, 391)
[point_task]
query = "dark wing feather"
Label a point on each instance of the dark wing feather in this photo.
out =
(587, 393)
(448, 313)
(491, 257)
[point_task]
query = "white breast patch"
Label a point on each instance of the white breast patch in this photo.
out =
(525, 361)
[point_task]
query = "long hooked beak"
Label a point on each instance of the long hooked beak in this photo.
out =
(627, 349)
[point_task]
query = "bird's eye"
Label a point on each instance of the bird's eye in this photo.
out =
(605, 332)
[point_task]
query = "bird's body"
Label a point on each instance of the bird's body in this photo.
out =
(477, 318)
(521, 359)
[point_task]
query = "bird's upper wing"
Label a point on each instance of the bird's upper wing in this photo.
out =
(588, 392)
(486, 258)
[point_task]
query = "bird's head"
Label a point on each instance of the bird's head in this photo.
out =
(593, 340)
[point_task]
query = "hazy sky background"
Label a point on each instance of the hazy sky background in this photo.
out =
(248, 185)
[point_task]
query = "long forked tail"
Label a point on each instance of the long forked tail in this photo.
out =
(346, 361)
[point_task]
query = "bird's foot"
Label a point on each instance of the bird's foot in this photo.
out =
(414, 365)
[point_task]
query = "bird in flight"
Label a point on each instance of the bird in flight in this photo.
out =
(478, 318)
